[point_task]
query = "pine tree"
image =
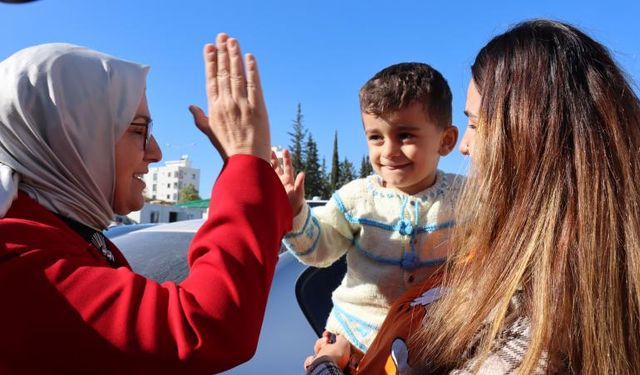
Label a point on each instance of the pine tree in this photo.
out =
(347, 173)
(365, 167)
(297, 135)
(326, 183)
(335, 166)
(314, 180)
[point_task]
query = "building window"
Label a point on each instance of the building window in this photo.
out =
(175, 184)
(155, 217)
(153, 187)
(168, 196)
(155, 177)
(169, 185)
(175, 197)
(193, 175)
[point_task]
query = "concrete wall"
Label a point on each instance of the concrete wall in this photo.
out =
(162, 213)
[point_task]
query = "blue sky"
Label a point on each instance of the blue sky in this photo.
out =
(314, 53)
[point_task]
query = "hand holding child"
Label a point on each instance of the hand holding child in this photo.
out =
(339, 350)
(293, 187)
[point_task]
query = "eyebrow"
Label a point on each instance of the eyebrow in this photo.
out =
(405, 127)
(469, 114)
(401, 128)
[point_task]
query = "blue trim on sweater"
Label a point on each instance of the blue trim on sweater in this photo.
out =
(441, 185)
(430, 228)
(354, 220)
(304, 229)
(405, 201)
(408, 262)
(364, 328)
(314, 245)
(399, 226)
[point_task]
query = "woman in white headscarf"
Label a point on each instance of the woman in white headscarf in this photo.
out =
(75, 139)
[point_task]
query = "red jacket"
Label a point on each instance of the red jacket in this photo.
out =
(65, 310)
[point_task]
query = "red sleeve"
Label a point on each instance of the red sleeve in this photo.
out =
(236, 251)
(120, 320)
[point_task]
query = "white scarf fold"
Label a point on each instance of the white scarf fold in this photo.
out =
(62, 110)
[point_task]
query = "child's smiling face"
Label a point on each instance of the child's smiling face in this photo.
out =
(405, 146)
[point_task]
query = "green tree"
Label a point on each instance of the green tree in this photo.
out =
(326, 183)
(297, 135)
(365, 167)
(335, 166)
(189, 193)
(314, 180)
(347, 173)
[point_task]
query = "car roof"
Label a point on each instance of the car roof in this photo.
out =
(178, 226)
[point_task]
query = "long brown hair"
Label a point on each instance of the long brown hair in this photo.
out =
(552, 210)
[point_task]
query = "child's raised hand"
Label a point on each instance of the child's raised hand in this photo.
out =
(293, 187)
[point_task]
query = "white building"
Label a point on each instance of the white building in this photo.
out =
(165, 183)
(278, 151)
(163, 213)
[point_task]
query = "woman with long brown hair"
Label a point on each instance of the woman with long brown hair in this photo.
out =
(545, 271)
(551, 219)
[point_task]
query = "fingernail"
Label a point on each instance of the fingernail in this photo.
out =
(232, 43)
(211, 56)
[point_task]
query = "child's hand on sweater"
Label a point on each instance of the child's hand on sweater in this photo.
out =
(293, 187)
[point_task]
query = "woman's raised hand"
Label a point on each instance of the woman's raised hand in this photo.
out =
(238, 122)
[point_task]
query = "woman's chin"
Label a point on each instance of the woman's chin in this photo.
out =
(136, 206)
(129, 207)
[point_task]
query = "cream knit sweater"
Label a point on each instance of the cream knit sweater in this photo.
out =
(392, 241)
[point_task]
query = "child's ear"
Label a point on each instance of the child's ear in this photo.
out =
(448, 140)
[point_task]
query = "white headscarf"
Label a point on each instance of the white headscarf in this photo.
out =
(62, 110)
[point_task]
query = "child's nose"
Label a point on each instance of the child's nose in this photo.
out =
(390, 149)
